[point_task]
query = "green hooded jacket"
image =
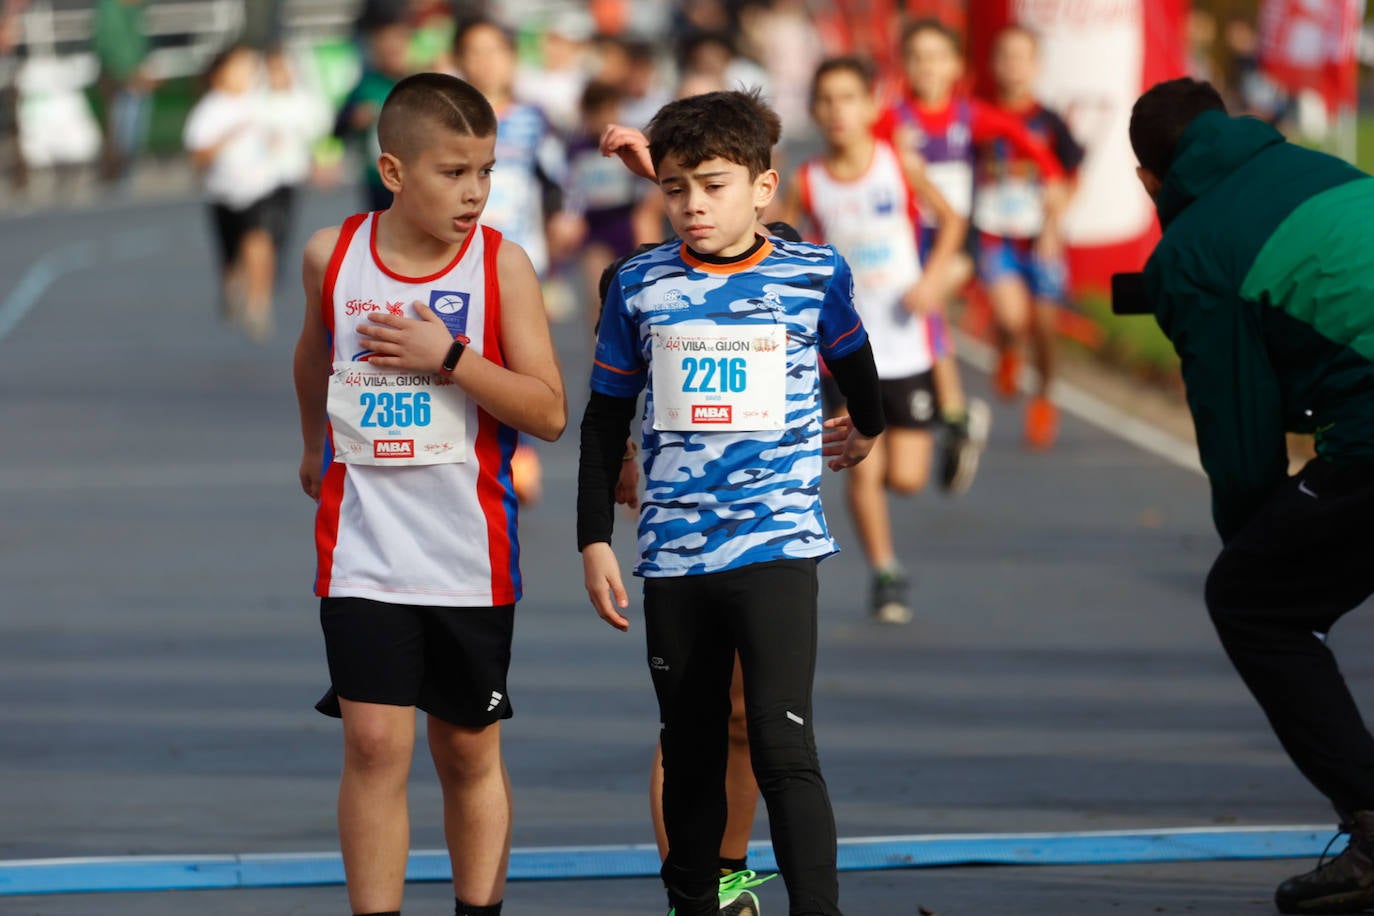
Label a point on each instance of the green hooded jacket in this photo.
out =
(1264, 282)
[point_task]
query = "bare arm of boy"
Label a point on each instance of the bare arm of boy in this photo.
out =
(928, 294)
(312, 364)
(525, 394)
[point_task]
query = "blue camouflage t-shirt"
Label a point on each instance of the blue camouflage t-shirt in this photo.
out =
(748, 490)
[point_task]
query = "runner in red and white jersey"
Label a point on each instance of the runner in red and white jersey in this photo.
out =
(424, 351)
(862, 195)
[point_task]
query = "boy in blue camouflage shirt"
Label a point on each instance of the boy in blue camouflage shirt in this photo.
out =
(723, 330)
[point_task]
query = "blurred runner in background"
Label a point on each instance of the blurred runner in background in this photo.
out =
(861, 195)
(1020, 247)
(386, 37)
(296, 117)
(941, 129)
(230, 143)
(126, 84)
(526, 182)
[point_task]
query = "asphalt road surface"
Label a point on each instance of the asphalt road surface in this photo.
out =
(160, 652)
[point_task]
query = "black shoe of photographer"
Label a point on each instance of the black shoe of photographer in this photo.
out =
(1345, 884)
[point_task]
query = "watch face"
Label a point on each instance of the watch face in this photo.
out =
(454, 351)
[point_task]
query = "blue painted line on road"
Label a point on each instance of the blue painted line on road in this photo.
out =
(27, 293)
(165, 873)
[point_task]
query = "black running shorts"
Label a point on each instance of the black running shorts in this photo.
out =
(908, 403)
(450, 662)
(231, 225)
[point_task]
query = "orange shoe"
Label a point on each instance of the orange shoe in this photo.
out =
(1005, 380)
(527, 475)
(1042, 423)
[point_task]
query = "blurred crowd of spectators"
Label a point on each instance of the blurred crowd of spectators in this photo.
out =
(636, 60)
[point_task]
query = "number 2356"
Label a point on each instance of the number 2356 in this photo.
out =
(399, 409)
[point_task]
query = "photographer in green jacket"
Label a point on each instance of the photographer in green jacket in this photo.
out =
(1264, 282)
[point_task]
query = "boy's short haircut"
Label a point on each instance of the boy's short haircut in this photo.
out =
(597, 94)
(929, 24)
(467, 25)
(425, 102)
(1163, 113)
(861, 67)
(736, 126)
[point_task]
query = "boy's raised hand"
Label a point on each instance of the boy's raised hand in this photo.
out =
(601, 574)
(632, 147)
(417, 344)
(845, 444)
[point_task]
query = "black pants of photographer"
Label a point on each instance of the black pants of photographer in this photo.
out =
(693, 626)
(1305, 560)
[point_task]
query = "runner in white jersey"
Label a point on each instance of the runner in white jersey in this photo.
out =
(861, 196)
(871, 220)
(411, 451)
(424, 352)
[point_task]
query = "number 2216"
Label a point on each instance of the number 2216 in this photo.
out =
(727, 375)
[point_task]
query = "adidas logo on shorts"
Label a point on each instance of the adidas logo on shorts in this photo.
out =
(496, 698)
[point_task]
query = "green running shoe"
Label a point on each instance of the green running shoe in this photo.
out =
(737, 896)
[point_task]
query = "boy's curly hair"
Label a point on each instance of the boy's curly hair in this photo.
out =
(736, 126)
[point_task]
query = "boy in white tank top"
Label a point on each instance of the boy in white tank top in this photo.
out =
(424, 353)
(861, 195)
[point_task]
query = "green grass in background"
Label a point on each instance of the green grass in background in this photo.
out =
(1364, 150)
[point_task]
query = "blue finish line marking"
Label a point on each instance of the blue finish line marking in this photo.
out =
(165, 873)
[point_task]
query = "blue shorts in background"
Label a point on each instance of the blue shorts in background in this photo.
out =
(1000, 257)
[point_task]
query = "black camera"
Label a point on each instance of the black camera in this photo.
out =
(1128, 295)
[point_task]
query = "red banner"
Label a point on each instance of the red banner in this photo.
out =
(1311, 44)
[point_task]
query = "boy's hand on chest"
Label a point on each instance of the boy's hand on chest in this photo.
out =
(417, 344)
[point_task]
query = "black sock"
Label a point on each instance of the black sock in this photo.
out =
(467, 909)
(730, 866)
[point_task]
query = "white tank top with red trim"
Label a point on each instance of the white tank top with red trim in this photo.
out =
(436, 534)
(872, 220)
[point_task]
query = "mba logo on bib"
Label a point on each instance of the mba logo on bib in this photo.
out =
(712, 413)
(393, 448)
(452, 307)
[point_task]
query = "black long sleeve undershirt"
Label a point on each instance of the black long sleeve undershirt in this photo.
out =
(857, 378)
(605, 427)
